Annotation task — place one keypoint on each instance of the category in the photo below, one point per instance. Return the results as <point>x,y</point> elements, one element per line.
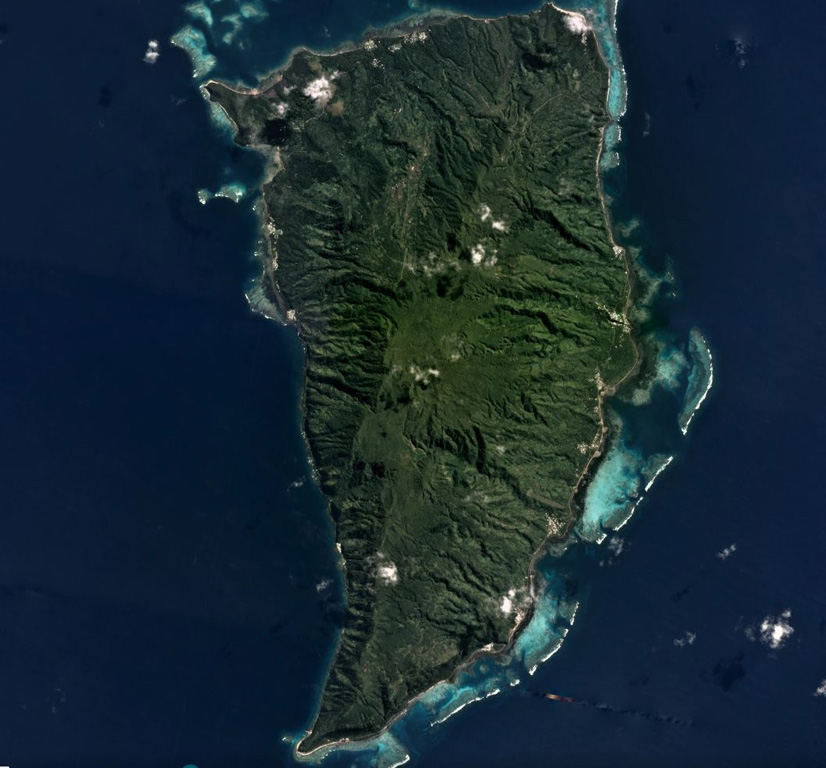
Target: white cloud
<point>388,574</point>
<point>486,214</point>
<point>616,544</point>
<point>776,630</point>
<point>321,89</point>
<point>577,23</point>
<point>423,375</point>
<point>687,638</point>
<point>152,52</point>
<point>506,606</point>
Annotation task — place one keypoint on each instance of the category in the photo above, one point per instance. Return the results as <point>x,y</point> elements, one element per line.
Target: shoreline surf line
<point>616,99</point>
<point>603,393</point>
<point>701,356</point>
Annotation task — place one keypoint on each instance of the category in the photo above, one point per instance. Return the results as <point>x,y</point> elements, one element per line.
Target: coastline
<point>701,378</point>
<point>265,297</point>
<point>607,146</point>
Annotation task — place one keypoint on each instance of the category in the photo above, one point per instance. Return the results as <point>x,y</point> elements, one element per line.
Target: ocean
<point>168,590</point>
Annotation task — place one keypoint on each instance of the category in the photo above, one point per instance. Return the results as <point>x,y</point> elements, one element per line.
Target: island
<point>436,232</point>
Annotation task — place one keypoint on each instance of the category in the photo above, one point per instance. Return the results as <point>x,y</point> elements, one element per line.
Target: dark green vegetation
<point>436,227</point>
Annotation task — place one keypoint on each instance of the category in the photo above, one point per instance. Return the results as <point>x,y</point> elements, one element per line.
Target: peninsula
<point>436,233</point>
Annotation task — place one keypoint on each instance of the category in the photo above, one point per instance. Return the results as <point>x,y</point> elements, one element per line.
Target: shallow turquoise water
<point>163,558</point>
<point>215,44</point>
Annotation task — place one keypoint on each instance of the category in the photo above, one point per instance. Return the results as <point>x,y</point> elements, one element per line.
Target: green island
<point>436,233</point>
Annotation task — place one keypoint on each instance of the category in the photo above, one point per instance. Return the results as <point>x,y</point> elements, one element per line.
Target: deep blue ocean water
<point>163,555</point>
